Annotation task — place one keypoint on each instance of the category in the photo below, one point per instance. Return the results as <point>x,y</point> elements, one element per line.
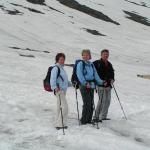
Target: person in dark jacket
<point>106,72</point>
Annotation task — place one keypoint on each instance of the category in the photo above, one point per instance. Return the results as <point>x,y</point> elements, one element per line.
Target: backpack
<point>74,79</point>
<point>46,81</point>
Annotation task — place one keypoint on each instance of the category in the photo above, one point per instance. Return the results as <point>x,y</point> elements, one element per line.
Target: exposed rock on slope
<point>87,10</point>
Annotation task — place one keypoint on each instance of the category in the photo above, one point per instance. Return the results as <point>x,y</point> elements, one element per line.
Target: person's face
<point>86,56</point>
<point>105,56</point>
<point>61,60</point>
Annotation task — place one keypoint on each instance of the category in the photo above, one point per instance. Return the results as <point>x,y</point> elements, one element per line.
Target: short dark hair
<point>58,56</point>
<point>104,51</point>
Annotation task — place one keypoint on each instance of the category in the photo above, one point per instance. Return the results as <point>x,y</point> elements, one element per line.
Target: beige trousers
<point>61,104</point>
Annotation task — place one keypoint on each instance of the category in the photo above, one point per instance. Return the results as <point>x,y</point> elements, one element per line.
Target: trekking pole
<point>119,101</point>
<point>62,115</point>
<point>94,109</point>
<point>77,103</point>
<point>97,113</point>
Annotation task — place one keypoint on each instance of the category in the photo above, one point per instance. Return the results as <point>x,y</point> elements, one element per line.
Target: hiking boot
<point>106,119</point>
<point>96,120</point>
<point>58,128</point>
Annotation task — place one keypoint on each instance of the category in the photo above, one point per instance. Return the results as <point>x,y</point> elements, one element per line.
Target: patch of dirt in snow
<point>97,3</point>
<point>28,8</point>
<point>23,55</point>
<point>21,120</point>
<point>41,2</point>
<point>54,9</point>
<point>139,139</point>
<point>10,12</point>
<point>94,32</point>
<point>4,130</point>
<point>28,49</point>
<point>144,76</point>
<point>142,3</point>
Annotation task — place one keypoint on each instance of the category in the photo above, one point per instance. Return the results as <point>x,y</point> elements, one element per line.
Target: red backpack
<point>46,81</point>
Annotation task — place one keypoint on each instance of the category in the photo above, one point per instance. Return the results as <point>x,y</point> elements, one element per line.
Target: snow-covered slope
<point>32,34</point>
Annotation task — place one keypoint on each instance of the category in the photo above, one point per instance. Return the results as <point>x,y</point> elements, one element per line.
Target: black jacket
<point>105,72</point>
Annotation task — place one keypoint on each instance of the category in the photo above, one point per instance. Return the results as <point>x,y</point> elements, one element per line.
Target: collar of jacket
<point>105,63</point>
<point>87,62</point>
<point>59,65</point>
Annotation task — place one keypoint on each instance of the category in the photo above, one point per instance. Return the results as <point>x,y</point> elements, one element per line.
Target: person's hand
<point>105,83</point>
<point>112,81</point>
<point>88,86</point>
<point>57,90</point>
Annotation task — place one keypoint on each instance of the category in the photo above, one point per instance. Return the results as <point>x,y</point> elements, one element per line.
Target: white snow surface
<point>27,112</point>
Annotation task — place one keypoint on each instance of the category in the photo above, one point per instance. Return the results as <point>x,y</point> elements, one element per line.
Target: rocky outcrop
<point>137,18</point>
<point>87,10</point>
<point>41,2</point>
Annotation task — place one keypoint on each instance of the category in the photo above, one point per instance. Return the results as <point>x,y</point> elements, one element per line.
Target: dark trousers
<point>88,103</point>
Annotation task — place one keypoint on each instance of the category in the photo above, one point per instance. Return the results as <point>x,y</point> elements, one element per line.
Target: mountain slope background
<point>31,35</point>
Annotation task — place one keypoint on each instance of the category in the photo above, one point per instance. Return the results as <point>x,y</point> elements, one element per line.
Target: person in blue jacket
<point>88,78</point>
<point>60,84</point>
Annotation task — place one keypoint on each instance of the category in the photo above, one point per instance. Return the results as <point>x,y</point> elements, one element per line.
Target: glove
<point>88,86</point>
<point>112,81</point>
<point>105,83</point>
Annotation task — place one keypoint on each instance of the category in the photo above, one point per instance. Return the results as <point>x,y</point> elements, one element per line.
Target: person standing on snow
<point>88,78</point>
<point>60,85</point>
<point>106,72</point>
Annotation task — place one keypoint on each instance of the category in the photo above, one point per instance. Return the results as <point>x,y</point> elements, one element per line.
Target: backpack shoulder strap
<point>83,64</point>
<point>93,69</point>
<point>58,74</point>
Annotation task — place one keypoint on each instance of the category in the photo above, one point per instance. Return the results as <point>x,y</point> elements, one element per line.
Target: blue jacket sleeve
<point>53,79</point>
<point>97,78</point>
<point>79,72</point>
